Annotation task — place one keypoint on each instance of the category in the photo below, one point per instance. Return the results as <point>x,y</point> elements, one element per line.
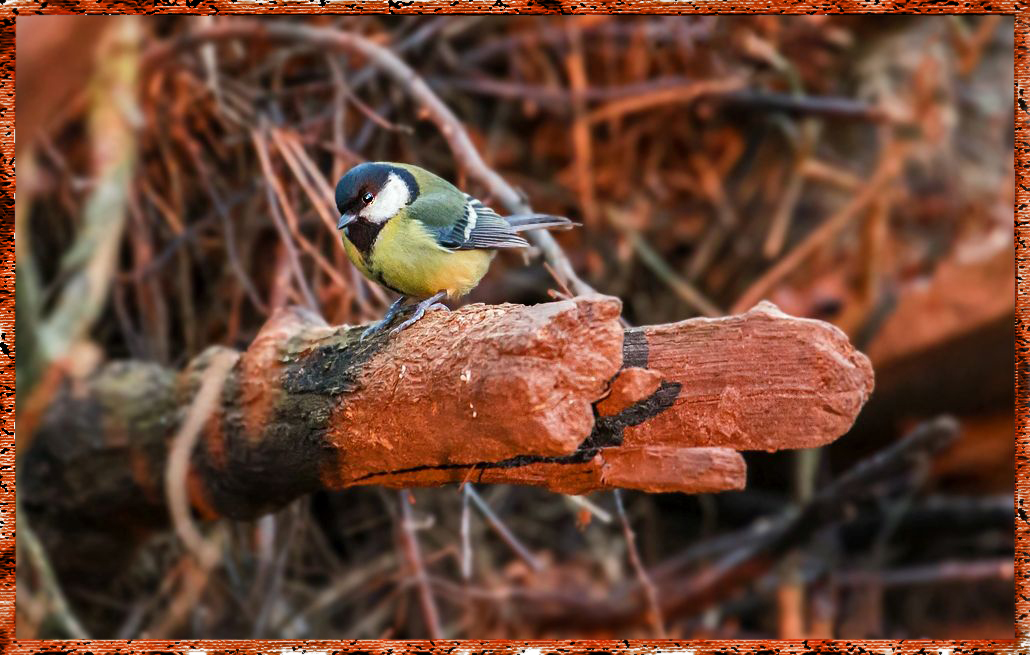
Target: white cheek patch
<point>470,218</point>
<point>388,201</point>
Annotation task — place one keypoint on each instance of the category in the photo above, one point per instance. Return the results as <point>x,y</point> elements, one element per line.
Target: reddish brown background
<point>7,452</point>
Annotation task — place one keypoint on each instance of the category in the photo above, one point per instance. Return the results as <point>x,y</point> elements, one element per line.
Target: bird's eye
<point>367,198</point>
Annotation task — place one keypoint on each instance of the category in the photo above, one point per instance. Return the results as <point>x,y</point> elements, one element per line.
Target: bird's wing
<point>478,226</point>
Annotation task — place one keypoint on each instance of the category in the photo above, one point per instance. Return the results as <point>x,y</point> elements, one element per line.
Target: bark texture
<point>556,395</point>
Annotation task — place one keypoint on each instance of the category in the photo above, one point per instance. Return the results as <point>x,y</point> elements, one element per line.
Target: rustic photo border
<point>10,9</point>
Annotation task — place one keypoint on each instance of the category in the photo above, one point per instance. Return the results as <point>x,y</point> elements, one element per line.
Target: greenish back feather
<point>440,204</point>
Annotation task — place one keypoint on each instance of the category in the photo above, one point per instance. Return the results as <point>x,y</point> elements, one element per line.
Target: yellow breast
<point>407,259</point>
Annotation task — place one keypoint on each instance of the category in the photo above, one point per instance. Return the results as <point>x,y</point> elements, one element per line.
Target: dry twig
<point>413,556</point>
<point>654,607</point>
<point>176,475</point>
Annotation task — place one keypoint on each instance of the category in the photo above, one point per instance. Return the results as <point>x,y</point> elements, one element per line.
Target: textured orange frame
<point>10,9</point>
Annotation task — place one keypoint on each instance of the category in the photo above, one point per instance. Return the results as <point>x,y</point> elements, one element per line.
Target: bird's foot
<point>432,302</point>
<point>374,328</point>
<point>395,309</point>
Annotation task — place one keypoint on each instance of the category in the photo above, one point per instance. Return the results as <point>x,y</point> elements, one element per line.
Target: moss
<point>78,482</point>
<point>269,470</point>
<point>138,398</point>
<point>332,365</point>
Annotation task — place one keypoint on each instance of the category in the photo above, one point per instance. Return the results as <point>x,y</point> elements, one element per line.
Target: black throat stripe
<point>363,234</point>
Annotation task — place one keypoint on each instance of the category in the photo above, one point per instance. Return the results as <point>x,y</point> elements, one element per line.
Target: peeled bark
<point>556,395</point>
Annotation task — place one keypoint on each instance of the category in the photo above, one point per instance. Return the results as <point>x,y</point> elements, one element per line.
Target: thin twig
<point>37,558</point>
<point>935,573</point>
<point>582,142</point>
<point>340,588</point>
<point>683,289</point>
<point>293,153</point>
<point>766,539</point>
<point>309,178</point>
<point>743,556</point>
<point>193,578</point>
<point>466,536</point>
<point>176,488</point>
<point>271,591</point>
<point>315,176</point>
<point>584,503</point>
<point>685,94</point>
<point>413,556</point>
<point>222,209</point>
<point>884,175</point>
<point>294,223</point>
<point>284,234</point>
<point>783,215</point>
<point>654,608</point>
<point>502,530</point>
<point>130,627</point>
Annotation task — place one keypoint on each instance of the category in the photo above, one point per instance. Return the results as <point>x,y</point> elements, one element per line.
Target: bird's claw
<point>420,311</point>
<point>396,308</point>
<point>375,327</point>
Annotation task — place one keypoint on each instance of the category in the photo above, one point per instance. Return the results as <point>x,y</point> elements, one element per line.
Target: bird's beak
<point>345,220</point>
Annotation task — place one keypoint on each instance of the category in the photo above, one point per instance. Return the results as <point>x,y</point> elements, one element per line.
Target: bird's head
<point>374,192</point>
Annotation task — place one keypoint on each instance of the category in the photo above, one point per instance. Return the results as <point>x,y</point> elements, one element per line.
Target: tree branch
<point>557,395</point>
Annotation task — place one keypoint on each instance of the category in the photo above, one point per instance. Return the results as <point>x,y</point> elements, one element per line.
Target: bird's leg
<point>396,308</point>
<point>432,302</point>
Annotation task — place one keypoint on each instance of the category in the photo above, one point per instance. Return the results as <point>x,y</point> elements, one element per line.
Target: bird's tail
<point>523,222</point>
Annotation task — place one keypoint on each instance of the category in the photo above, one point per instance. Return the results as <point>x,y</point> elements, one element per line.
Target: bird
<point>418,235</point>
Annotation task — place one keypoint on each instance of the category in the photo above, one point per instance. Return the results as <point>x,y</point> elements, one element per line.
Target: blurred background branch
<point>87,268</point>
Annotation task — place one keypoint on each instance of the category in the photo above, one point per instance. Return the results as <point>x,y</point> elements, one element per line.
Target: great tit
<point>417,234</point>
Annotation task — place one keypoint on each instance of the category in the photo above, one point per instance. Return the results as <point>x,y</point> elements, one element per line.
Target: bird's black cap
<point>369,177</point>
